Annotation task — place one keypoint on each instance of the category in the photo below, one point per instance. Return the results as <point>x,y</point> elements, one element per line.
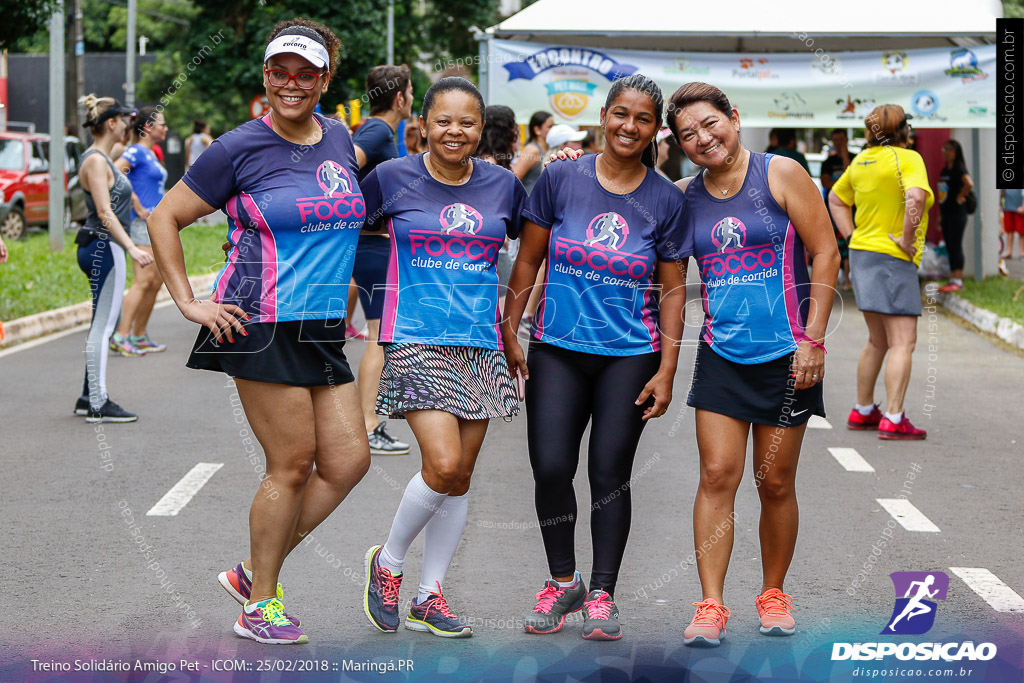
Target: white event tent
<point>780,31</point>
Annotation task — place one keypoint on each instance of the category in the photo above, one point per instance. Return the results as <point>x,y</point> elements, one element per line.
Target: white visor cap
<point>307,48</point>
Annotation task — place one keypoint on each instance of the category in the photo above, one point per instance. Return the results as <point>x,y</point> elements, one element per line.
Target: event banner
<point>806,88</point>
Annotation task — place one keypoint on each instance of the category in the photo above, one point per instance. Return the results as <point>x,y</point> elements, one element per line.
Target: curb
<point>985,320</point>
<point>31,326</point>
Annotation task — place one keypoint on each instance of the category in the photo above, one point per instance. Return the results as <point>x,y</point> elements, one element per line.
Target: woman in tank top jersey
<point>761,355</point>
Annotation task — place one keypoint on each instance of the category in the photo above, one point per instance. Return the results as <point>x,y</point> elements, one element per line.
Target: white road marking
<point>904,512</point>
<point>851,460</point>
<point>182,492</point>
<point>818,422</point>
<point>1001,597</point>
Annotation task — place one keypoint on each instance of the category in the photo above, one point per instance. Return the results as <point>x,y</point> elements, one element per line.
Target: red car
<point>25,182</point>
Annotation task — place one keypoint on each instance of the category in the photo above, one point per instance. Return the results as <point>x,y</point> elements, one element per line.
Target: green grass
<point>996,294</point>
<point>35,279</point>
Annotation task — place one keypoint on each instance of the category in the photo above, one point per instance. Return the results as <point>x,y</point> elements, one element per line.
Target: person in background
<point>954,185</point>
<point>3,251</point>
<point>531,157</point>
<point>147,176</point>
<point>662,140</point>
<point>1013,221</point>
<point>499,142</point>
<point>592,144</point>
<point>831,170</point>
<point>413,138</point>
<point>889,186</point>
<point>786,147</point>
<point>197,143</point>
<point>563,135</point>
<point>390,93</point>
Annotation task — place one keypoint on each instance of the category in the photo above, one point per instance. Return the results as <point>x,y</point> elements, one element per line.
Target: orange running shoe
<point>773,608</point>
<point>708,626</point>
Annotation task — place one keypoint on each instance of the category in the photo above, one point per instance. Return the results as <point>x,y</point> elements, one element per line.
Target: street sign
<point>260,106</point>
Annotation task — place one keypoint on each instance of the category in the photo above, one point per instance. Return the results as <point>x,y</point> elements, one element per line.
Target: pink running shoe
<point>773,608</point>
<point>862,422</point>
<point>900,431</point>
<point>708,626</point>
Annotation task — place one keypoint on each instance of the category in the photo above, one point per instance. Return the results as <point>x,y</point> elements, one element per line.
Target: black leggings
<point>954,221</point>
<point>566,389</point>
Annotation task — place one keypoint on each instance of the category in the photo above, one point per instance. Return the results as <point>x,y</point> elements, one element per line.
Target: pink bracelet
<point>814,342</point>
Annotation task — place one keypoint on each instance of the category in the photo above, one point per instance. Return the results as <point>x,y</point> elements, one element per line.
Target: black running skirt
<point>305,353</point>
<point>762,393</point>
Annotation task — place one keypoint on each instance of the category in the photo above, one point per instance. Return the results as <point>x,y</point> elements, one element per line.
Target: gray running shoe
<point>553,604</point>
<point>600,617</point>
<point>382,443</point>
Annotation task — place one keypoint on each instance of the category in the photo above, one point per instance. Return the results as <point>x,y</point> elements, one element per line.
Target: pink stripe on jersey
<point>538,317</point>
<point>648,318</point>
<point>796,325</point>
<point>708,332</point>
<point>268,274</point>
<point>220,287</point>
<point>387,329</point>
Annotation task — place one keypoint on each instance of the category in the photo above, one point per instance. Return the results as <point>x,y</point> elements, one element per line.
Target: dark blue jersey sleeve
<point>212,176</point>
<point>372,195</point>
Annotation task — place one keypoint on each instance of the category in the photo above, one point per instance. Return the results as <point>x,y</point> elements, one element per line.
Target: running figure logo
<point>729,233</point>
<point>461,217</point>
<point>333,179</point>
<point>610,228</point>
<point>914,612</point>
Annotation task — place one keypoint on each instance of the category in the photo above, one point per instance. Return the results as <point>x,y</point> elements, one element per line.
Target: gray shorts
<point>884,284</point>
<point>139,232</point>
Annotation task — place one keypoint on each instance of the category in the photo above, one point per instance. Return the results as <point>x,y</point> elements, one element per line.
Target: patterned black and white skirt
<point>467,381</point>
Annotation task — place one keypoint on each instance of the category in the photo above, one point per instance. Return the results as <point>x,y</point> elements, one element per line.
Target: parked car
<point>25,183</point>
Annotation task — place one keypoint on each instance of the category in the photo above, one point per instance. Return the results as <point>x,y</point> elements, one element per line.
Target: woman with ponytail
<point>102,242</point>
<point>612,231</point>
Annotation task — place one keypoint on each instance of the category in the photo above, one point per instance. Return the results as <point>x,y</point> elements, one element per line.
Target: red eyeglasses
<point>280,79</point>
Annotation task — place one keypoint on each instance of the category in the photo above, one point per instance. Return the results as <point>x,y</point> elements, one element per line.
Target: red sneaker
<point>861,422</point>
<point>951,287</point>
<point>902,430</point>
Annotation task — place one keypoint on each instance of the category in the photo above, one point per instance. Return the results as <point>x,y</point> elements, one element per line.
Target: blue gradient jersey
<point>599,292</point>
<point>294,214</point>
<point>442,281</point>
<point>147,175</point>
<point>753,269</point>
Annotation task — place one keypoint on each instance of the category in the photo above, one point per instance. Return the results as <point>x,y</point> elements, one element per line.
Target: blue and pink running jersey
<point>753,269</point>
<point>294,215</point>
<point>599,290</point>
<point>442,277</point>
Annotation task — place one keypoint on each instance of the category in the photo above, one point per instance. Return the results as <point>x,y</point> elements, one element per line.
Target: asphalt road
<point>77,587</point>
